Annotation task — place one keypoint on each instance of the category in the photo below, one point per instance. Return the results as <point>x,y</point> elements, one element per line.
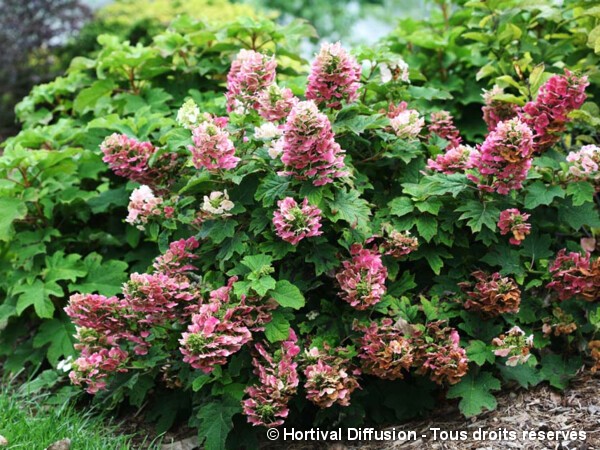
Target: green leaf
<point>12,209</point>
<point>88,97</point>
<point>278,329</point>
<point>524,374</point>
<point>538,246</point>
<point>558,371</point>
<point>475,393</point>
<point>257,263</point>
<point>480,353</point>
<point>539,193</point>
<point>578,216</point>
<point>216,422</point>
<point>38,294</point>
<point>103,277</point>
<point>478,214</point>
<point>323,256</point>
<point>581,191</point>
<point>427,226</point>
<point>271,188</point>
<point>61,267</point>
<point>428,93</point>
<point>288,295</point>
<point>58,334</point>
<point>200,381</point>
<point>349,207</point>
<point>401,206</point>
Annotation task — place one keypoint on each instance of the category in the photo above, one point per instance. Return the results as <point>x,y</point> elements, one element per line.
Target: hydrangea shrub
<point>321,247</point>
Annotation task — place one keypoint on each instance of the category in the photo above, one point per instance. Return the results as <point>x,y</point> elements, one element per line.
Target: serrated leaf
<point>475,393</point>
<point>271,188</point>
<point>581,191</point>
<point>523,374</point>
<point>88,97</point>
<point>558,371</point>
<point>349,207</point>
<point>58,334</point>
<point>61,267</point>
<point>477,214</point>
<point>12,209</point>
<point>480,353</point>
<point>216,422</point>
<point>288,295</point>
<point>578,216</point>
<point>401,206</point>
<point>103,277</point>
<point>539,193</point>
<point>38,294</point>
<point>278,329</point>
<point>427,226</point>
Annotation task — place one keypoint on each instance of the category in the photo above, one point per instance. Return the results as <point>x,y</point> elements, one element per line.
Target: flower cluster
<point>454,160</point>
<point>309,148</point>
<point>492,295</point>
<point>334,77</point>
<point>93,367</point>
<point>143,204</point>
<point>189,115</point>
<point>547,115</point>
<point>560,323</point>
<point>406,123</point>
<point>395,243</point>
<point>515,222</point>
<point>130,158</point>
<point>250,73</point>
<point>504,158</point>
<point>394,70</point>
<point>220,328</point>
<point>98,313</point>
<point>328,379</point>
<point>442,125</point>
<point>178,257</point>
<point>362,279</point>
<point>585,164</point>
<point>439,354</point>
<point>275,103</point>
<point>389,350</point>
<point>295,222</point>
<point>495,110</point>
<point>217,203</point>
<point>385,350</point>
<point>277,382</point>
<point>575,275</point>
<point>212,147</point>
<point>268,131</point>
<point>513,345</point>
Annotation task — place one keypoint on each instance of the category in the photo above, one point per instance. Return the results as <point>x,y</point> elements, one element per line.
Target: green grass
<point>29,423</point>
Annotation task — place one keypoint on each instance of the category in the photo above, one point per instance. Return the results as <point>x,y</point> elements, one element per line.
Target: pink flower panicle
<point>362,279</point>
<point>514,222</point>
<point>514,346</point>
<point>575,275</point>
<point>250,73</point>
<point>275,103</point>
<point>406,123</point>
<point>584,165</point>
<point>395,243</point>
<point>504,158</point>
<point>442,125</point>
<point>454,160</point>
<point>334,77</point>
<point>212,149</point>
<point>328,382</point>
<point>492,295</point>
<point>385,350</point>
<point>277,373</point>
<point>547,115</point>
<point>178,258</point>
<point>130,158</point>
<point>439,354</point>
<point>98,313</point>
<point>309,148</point>
<point>559,324</point>
<point>93,367</point>
<point>496,111</point>
<point>295,222</point>
<point>144,205</point>
<point>220,328</point>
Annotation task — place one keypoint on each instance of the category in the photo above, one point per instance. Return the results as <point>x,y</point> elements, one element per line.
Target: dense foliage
<point>332,247</point>
<point>63,227</point>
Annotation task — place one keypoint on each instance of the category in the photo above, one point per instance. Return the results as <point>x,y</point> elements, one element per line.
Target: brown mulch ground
<point>541,409</point>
